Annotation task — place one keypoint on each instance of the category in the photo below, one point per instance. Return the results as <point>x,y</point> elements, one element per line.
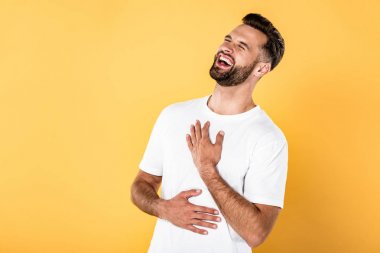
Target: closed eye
<point>240,45</point>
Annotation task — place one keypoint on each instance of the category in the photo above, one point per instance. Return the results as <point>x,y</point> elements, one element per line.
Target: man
<point>223,183</point>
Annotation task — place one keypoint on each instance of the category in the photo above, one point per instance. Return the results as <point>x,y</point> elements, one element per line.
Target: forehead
<point>249,35</point>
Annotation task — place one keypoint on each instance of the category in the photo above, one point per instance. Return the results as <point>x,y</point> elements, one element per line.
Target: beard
<point>232,77</point>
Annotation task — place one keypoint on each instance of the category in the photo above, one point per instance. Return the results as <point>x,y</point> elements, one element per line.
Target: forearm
<point>245,218</point>
<point>177,210</point>
<point>145,197</point>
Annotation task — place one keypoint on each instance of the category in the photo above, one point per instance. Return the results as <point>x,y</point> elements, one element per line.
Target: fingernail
<point>222,133</point>
<point>218,219</point>
<point>215,226</point>
<point>216,212</point>
<point>198,190</point>
<point>205,232</point>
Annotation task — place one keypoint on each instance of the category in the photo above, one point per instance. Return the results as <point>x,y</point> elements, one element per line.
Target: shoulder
<point>268,131</point>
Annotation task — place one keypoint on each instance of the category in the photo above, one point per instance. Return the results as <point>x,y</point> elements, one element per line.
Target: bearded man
<point>221,161</point>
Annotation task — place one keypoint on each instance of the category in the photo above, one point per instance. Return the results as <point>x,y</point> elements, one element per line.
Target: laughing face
<point>237,56</point>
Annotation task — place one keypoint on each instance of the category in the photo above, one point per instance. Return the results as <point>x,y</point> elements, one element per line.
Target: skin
<point>237,99</point>
<point>177,210</point>
<point>258,219</point>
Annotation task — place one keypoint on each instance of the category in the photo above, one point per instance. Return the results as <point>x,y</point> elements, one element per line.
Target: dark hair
<point>275,46</point>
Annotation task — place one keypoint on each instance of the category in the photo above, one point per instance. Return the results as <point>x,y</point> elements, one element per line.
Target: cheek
<point>248,60</point>
<point>242,61</point>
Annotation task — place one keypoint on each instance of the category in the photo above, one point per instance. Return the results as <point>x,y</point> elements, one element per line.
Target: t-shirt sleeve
<point>152,160</point>
<point>265,180</point>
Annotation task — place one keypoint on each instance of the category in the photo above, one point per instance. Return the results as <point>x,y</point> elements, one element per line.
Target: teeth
<point>226,60</point>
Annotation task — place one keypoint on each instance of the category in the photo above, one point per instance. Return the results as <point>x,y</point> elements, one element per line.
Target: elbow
<point>133,193</point>
<point>256,239</point>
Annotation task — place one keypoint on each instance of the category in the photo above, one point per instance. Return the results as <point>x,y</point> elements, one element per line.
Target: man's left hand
<point>206,155</point>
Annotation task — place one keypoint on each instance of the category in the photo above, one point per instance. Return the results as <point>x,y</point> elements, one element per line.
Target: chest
<point>179,167</point>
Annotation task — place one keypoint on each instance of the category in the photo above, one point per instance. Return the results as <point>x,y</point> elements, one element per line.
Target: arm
<point>177,210</point>
<point>251,221</point>
<point>144,193</point>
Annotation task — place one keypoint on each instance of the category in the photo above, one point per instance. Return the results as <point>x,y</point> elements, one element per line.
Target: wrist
<point>160,208</point>
<point>208,173</point>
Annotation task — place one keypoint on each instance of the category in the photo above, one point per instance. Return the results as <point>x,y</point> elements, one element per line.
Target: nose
<point>226,48</point>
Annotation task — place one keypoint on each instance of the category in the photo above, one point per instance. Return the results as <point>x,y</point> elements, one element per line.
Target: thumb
<point>190,193</point>
<point>219,138</point>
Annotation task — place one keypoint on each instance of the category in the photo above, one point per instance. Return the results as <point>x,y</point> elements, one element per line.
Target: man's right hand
<point>180,212</point>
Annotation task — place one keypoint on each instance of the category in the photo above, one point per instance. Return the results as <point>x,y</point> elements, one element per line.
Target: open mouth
<point>224,62</point>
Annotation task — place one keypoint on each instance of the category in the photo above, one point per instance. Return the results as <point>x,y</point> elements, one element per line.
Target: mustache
<point>221,51</point>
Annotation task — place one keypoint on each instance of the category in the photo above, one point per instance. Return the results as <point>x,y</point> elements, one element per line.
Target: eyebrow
<point>241,42</point>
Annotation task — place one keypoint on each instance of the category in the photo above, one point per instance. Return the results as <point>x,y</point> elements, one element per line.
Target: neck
<point>231,100</point>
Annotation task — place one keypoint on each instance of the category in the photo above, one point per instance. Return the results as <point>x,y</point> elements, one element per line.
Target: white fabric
<point>254,163</point>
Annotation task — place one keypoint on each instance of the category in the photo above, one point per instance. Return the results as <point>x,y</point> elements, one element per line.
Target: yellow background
<point>81,85</point>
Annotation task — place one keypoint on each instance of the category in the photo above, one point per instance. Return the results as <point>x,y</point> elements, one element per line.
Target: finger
<point>189,143</point>
<point>219,138</point>
<point>192,132</point>
<point>198,133</point>
<point>190,193</point>
<point>203,216</point>
<point>204,223</point>
<point>205,209</point>
<point>205,130</point>
<point>196,230</point>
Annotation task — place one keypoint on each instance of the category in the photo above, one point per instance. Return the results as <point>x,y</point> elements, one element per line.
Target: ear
<point>261,69</point>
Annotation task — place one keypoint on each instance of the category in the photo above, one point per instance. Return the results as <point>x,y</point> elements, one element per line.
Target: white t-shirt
<point>254,163</point>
